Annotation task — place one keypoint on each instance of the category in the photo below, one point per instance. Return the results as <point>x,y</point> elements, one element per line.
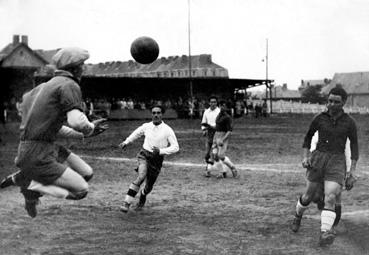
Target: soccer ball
<point>144,50</point>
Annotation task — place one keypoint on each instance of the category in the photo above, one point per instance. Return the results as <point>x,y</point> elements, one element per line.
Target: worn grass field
<point>187,213</point>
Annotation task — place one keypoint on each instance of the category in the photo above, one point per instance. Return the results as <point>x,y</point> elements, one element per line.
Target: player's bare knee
<point>89,170</point>
<point>77,195</point>
<point>140,179</point>
<point>307,198</point>
<point>330,199</point>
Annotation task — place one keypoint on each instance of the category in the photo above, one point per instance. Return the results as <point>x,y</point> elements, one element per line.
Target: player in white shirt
<point>160,140</point>
<point>208,130</point>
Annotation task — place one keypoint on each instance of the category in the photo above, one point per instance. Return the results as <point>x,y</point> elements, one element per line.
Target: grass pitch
<point>187,213</point>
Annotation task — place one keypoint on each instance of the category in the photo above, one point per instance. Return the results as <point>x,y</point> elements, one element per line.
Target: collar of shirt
<point>65,74</point>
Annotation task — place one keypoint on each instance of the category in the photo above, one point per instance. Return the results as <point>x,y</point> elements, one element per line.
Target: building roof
<point>284,92</point>
<point>13,48</point>
<point>47,54</point>
<point>353,83</point>
<point>163,64</point>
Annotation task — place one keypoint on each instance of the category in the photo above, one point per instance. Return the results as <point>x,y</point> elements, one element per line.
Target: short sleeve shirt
<point>44,109</point>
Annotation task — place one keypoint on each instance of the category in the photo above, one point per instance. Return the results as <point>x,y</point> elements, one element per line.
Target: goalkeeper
<point>44,110</point>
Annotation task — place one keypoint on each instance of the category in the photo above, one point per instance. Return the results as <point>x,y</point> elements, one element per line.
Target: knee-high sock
<point>51,190</point>
<point>327,219</point>
<point>338,210</point>
<point>132,191</point>
<point>300,207</point>
<point>228,162</point>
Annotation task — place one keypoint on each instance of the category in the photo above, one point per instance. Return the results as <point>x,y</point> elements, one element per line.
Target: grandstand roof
<point>163,64</point>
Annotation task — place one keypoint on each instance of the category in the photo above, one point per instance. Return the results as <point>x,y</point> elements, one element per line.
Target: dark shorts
<point>153,164</point>
<point>62,152</point>
<point>40,161</point>
<point>210,136</point>
<point>327,167</point>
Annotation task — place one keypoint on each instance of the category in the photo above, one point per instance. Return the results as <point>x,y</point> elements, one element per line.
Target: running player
<point>221,137</point>
<point>160,140</point>
<point>327,163</point>
<point>208,130</point>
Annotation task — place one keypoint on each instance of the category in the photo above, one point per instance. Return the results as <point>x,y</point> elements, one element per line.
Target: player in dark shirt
<point>328,163</point>
<point>44,111</point>
<point>223,130</point>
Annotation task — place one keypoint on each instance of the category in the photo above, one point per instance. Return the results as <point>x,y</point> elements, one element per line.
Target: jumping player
<point>327,163</point>
<point>44,110</point>
<point>159,140</point>
<point>208,130</point>
<point>220,143</point>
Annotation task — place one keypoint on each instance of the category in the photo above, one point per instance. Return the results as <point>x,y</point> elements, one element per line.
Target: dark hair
<point>158,106</point>
<point>213,97</point>
<point>221,102</point>
<point>339,91</point>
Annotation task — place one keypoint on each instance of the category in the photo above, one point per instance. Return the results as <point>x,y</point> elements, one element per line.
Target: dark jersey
<point>333,134</point>
<point>223,122</point>
<point>44,108</point>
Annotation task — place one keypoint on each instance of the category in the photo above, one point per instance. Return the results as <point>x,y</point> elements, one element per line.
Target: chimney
<point>15,39</point>
<point>25,39</point>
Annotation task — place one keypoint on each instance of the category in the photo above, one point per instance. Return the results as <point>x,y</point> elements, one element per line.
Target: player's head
<point>223,105</point>
<point>71,59</point>
<point>157,114</point>
<point>213,102</point>
<point>336,99</point>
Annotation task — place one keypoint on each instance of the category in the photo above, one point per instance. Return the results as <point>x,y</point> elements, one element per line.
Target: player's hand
<point>101,125</point>
<point>204,132</point>
<point>306,162</point>
<point>155,150</point>
<point>122,145</point>
<point>350,181</point>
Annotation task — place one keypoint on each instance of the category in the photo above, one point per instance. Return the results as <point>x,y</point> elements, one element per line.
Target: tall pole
<point>189,49</point>
<point>268,86</point>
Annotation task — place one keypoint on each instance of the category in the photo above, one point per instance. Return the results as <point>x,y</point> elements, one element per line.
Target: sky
<point>307,40</point>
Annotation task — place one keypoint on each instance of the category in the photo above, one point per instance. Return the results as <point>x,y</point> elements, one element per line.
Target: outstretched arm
<point>67,132</point>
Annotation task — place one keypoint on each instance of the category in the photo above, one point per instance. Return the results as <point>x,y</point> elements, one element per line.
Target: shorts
<point>62,152</point>
<point>219,149</point>
<point>38,160</point>
<point>210,135</point>
<point>327,167</point>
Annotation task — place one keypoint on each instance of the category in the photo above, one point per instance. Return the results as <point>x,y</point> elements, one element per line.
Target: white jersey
<point>161,136</point>
<point>209,117</point>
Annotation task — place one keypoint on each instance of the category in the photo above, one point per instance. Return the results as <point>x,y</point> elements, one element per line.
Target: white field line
<point>275,168</point>
<point>362,213</point>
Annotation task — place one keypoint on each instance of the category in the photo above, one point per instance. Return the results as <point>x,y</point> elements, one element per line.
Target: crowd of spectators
<point>185,108</point>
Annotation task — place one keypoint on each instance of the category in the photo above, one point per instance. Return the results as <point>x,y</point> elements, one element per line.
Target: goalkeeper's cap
<point>69,57</point>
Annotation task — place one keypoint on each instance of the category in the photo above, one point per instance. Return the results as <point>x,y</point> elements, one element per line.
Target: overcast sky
<point>308,39</point>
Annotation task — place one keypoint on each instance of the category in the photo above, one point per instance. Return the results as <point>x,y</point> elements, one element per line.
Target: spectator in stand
<point>124,104</point>
<point>130,104</point>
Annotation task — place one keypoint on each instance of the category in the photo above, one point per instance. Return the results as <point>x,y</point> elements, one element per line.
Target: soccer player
<point>223,130</point>
<point>159,140</point>
<point>208,130</point>
<point>44,110</point>
<point>318,197</point>
<point>327,163</point>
